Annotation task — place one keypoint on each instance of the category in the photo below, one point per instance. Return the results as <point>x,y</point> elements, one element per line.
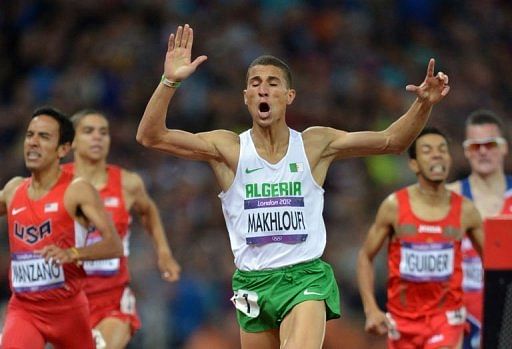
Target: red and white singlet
<point>106,274</point>
<point>425,272</point>
<point>34,224</point>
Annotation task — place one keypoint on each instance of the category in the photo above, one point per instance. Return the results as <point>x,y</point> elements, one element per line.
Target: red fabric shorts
<point>118,303</point>
<point>64,323</point>
<point>428,332</point>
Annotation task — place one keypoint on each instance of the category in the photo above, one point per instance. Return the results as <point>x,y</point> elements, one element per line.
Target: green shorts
<point>263,298</point>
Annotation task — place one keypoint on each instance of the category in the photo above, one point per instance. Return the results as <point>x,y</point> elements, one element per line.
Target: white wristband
<point>169,83</point>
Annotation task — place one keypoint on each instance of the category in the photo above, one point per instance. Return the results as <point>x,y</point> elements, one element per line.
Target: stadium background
<point>351,61</point>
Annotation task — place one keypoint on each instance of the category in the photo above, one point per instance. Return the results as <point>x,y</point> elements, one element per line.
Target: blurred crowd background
<point>351,61</point>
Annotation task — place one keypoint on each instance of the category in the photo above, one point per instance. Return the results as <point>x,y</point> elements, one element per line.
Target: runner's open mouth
<point>438,168</point>
<point>264,107</point>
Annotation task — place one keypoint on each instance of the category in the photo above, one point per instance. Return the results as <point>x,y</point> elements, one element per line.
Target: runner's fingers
<point>190,40</point>
<point>442,76</point>
<point>186,35</point>
<point>430,68</point>
<point>445,90</point>
<point>381,329</point>
<point>170,44</point>
<point>47,252</point>
<point>167,276</point>
<point>53,258</point>
<point>411,88</point>
<point>52,254</point>
<point>179,35</point>
<point>445,77</point>
<point>170,275</point>
<point>42,251</point>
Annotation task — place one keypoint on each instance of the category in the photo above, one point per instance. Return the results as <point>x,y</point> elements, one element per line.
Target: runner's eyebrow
<point>258,78</point>
<point>255,79</point>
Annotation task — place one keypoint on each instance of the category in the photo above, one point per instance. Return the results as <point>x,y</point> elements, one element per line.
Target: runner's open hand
<point>178,65</point>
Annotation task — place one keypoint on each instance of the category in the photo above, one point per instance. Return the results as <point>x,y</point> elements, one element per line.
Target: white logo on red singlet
<point>432,229</point>
<point>111,201</point>
<point>15,211</point>
<point>436,338</point>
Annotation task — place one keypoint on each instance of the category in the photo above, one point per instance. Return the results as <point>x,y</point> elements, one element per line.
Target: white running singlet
<point>273,212</point>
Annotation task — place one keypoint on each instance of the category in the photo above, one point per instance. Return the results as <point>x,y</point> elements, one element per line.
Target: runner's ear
<point>63,150</point>
<point>291,96</point>
<point>413,165</point>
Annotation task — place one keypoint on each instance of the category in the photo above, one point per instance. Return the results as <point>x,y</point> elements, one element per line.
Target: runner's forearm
<point>153,224</point>
<point>403,131</point>
<point>152,123</point>
<point>106,248</point>
<point>365,280</point>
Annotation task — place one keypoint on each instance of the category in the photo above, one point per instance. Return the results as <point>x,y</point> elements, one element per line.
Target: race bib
<point>94,237</point>
<point>456,317</point>
<point>424,262</point>
<point>102,267</point>
<point>128,302</point>
<point>246,302</point>
<point>31,273</point>
<point>275,219</point>
<point>473,274</point>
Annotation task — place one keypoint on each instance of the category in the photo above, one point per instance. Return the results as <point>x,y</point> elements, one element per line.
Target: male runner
<point>48,215</point>
<point>485,147</point>
<point>424,224</point>
<point>111,301</point>
<point>271,179</point>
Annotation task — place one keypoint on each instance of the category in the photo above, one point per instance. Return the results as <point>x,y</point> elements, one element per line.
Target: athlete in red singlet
<point>485,147</point>
<point>111,301</point>
<point>424,224</point>
<point>47,218</point>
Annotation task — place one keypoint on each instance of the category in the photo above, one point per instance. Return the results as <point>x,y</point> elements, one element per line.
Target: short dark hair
<point>426,131</point>
<point>79,115</point>
<point>276,62</point>
<point>486,116</point>
<point>66,130</point>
